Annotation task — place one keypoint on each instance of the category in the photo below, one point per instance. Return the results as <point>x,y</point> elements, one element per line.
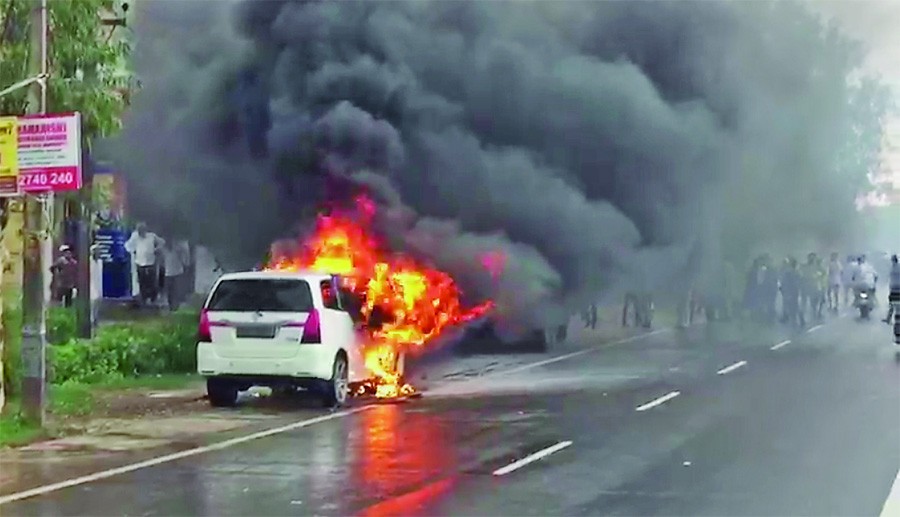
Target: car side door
<point>347,332</point>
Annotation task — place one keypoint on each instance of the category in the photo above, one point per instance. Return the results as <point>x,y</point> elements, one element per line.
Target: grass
<point>15,429</point>
<point>168,381</point>
<point>72,399</point>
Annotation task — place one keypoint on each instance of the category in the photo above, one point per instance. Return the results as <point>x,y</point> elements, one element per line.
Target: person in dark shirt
<point>65,273</point>
<point>791,285</point>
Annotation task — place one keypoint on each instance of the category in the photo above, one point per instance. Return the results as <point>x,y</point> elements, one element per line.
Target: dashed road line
<point>813,329</point>
<point>543,453</point>
<point>103,474</point>
<point>731,368</point>
<point>656,402</point>
<point>783,344</point>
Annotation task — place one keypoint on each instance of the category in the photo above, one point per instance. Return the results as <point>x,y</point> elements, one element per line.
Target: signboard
<point>9,162</point>
<point>116,263</point>
<point>50,152</point>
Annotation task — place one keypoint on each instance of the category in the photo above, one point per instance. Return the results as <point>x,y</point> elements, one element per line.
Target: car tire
<point>337,389</point>
<point>221,393</point>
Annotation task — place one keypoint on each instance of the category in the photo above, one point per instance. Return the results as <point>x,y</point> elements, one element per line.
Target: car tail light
<point>312,332</point>
<point>203,333</point>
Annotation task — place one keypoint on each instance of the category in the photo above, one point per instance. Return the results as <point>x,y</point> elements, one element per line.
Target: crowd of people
<point>789,292</point>
<point>807,290</point>
<point>162,267</point>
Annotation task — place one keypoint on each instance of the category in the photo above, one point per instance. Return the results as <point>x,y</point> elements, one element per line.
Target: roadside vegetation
<point>149,353</point>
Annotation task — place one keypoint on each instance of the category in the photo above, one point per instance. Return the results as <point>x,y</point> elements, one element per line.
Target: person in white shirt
<point>865,276</point>
<point>143,246</point>
<point>835,270</point>
<point>177,259</point>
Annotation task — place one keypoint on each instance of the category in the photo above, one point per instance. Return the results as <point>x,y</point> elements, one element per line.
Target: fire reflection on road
<point>407,460</point>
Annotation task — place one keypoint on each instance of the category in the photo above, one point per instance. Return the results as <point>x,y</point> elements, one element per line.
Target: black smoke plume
<point>599,146</point>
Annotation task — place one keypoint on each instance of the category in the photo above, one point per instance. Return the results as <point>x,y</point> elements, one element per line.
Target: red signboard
<point>50,152</point>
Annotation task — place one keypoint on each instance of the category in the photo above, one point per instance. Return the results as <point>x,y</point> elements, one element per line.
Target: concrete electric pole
<point>37,230</point>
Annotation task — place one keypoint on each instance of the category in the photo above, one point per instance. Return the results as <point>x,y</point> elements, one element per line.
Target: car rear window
<point>268,295</point>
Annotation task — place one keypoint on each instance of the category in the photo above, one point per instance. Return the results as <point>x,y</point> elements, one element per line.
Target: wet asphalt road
<point>812,428</point>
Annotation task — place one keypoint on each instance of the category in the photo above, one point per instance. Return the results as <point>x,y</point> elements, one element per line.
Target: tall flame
<point>416,302</point>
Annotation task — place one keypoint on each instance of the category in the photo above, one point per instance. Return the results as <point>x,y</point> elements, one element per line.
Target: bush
<point>62,325</point>
<point>128,349</point>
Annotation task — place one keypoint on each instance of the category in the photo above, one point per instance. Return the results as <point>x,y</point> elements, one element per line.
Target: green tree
<point>87,63</point>
<point>88,73</point>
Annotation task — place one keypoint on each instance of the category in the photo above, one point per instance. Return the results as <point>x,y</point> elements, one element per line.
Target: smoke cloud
<point>597,146</point>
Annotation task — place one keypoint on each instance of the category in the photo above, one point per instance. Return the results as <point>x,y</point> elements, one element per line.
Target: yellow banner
<point>9,156</point>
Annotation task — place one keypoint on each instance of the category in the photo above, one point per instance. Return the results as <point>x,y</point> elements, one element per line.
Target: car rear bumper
<point>310,362</point>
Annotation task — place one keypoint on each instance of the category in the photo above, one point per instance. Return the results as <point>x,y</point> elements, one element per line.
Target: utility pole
<point>37,222</point>
<point>82,217</point>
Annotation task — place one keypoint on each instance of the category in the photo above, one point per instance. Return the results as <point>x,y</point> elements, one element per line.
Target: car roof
<point>313,276</point>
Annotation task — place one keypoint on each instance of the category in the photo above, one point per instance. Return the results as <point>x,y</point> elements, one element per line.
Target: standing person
<point>751,288</point>
<point>65,273</point>
<point>592,316</point>
<point>808,285</point>
<point>893,289</point>
<point>791,284</point>
<point>176,261</point>
<point>769,289</point>
<point>96,284</point>
<point>143,246</point>
<point>847,275</point>
<point>835,276</point>
<point>821,287</point>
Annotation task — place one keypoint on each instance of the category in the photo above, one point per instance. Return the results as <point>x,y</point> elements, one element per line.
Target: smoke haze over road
<point>597,145</point>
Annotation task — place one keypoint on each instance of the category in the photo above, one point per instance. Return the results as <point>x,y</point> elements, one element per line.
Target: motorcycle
<point>864,301</point>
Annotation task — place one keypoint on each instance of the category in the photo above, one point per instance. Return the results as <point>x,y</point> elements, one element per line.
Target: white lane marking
<point>891,506</point>
<point>103,474</point>
<point>813,329</point>
<point>661,400</point>
<point>783,344</point>
<point>516,465</point>
<point>578,353</point>
<point>731,368</point>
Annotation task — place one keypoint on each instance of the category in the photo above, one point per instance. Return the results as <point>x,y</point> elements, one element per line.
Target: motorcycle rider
<point>865,277</point>
<point>894,290</point>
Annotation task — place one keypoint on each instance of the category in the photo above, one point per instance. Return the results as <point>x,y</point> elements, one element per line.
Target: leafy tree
<point>87,73</point>
<point>86,61</point>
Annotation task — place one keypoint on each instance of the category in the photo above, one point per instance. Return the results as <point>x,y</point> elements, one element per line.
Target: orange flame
<point>418,302</point>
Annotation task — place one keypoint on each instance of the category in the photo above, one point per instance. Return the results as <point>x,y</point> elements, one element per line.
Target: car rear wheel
<point>221,393</point>
<point>337,390</point>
